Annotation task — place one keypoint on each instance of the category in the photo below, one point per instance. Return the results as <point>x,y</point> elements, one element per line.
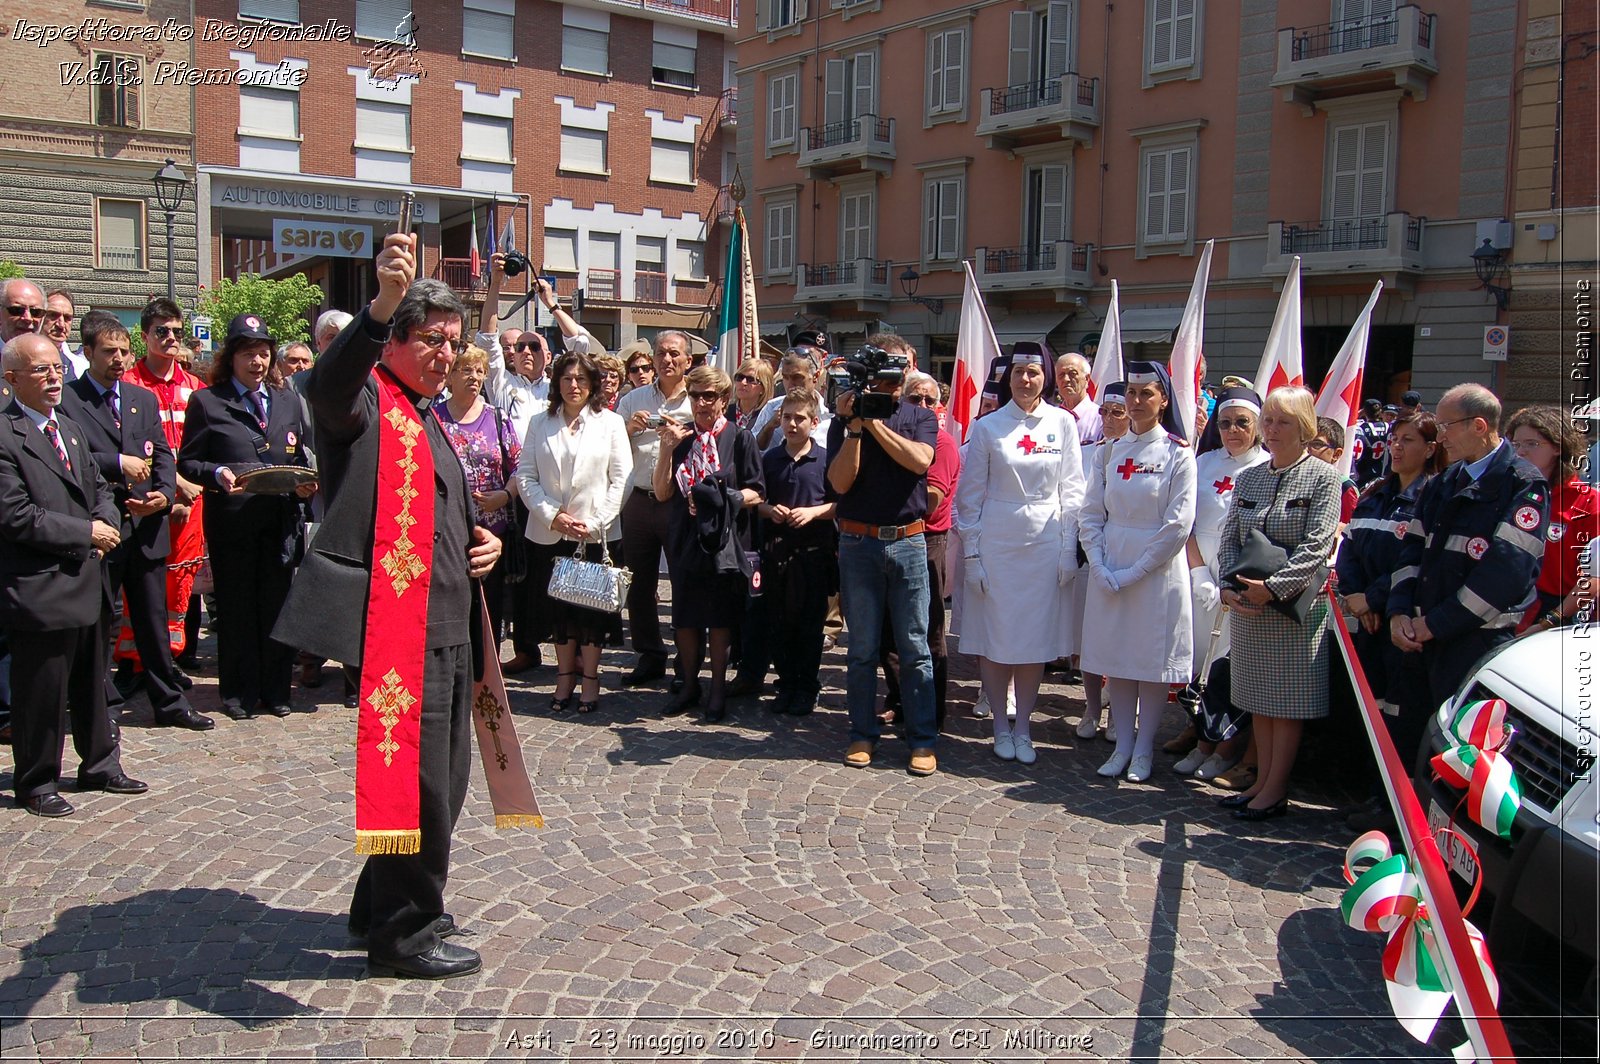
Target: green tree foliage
<point>281,304</point>
<point>9,269</point>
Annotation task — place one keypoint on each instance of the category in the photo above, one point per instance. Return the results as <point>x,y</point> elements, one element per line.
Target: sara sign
<point>299,237</point>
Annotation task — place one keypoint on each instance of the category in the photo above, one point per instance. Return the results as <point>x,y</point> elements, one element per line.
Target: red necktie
<point>55,441</point>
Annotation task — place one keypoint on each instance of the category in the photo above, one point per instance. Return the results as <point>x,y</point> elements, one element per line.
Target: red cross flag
<point>1340,397</point>
<point>1107,368</point>
<point>1184,363</point>
<point>976,348</point>
<point>1280,362</point>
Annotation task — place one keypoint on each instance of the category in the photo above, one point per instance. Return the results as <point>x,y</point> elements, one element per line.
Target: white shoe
<point>1114,767</point>
<point>1190,761</point>
<point>1088,725</point>
<point>1214,766</point>
<point>1004,747</point>
<point>1139,769</point>
<point>981,709</point>
<point>1025,752</point>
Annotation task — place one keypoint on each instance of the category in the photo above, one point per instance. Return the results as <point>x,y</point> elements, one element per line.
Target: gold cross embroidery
<point>490,709</point>
<point>402,563</point>
<point>390,701</point>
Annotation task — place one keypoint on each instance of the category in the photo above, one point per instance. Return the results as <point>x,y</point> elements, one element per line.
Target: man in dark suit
<point>405,343</point>
<point>57,519</point>
<point>122,425</point>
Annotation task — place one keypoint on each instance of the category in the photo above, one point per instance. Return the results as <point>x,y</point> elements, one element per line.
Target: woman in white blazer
<point>573,475</point>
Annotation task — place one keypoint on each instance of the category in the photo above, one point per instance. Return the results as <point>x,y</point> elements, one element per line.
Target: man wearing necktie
<point>57,519</point>
<point>122,426</point>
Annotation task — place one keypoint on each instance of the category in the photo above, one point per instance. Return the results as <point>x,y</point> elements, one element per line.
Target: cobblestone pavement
<point>700,892</point>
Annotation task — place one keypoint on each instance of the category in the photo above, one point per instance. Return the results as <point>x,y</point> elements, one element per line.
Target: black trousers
<point>59,676</point>
<point>938,581</point>
<point>252,583</point>
<point>644,537</point>
<point>399,896</point>
<point>795,599</point>
<point>145,583</point>
<point>1449,660</point>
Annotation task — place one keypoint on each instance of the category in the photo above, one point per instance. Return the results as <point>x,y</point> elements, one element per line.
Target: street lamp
<point>1488,262</point>
<point>908,284</point>
<point>170,184</point>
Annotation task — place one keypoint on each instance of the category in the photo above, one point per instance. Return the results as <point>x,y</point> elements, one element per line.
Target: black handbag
<point>1260,558</point>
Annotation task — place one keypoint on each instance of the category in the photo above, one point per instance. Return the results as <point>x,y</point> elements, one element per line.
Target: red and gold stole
<point>394,645</point>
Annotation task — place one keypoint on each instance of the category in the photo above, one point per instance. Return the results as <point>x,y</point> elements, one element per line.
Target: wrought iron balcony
<point>1067,106</point>
<point>1061,267</point>
<point>858,280</point>
<point>865,142</point>
<point>1358,55</point>
<point>1382,244</point>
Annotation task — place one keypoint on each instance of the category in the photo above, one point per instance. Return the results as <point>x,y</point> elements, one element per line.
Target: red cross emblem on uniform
<point>1026,444</point>
<point>1223,486</point>
<point>1527,518</point>
<point>1127,469</point>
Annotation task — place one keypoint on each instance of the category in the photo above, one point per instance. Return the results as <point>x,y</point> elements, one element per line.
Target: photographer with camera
<point>879,451</point>
<point>516,383</point>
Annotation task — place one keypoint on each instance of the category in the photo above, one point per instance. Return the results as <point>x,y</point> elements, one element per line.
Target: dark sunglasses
<point>1235,423</point>
<point>164,331</point>
<point>745,378</point>
<point>528,345</point>
<point>923,400</point>
<point>17,310</point>
<point>642,367</point>
<point>705,397</point>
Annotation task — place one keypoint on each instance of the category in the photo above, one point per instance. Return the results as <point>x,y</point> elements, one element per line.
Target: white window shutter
<point>955,69</point>
<point>583,149</point>
<point>1374,169</point>
<point>1058,39</point>
<point>1161,34</point>
<point>672,160</point>
<point>383,125</point>
<point>384,20</point>
<point>1344,186</point>
<point>1178,197</point>
<point>1155,196</point>
<point>561,249</point>
<point>1183,32</point>
<point>603,251</point>
<point>866,85</point>
<point>834,99</point>
<point>948,243</point>
<point>275,112</point>
<point>1019,64</point>
<point>936,74</point>
<point>272,10</point>
<point>1053,205</point>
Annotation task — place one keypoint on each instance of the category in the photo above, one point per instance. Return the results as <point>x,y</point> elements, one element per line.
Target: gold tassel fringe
<point>371,843</point>
<point>518,820</point>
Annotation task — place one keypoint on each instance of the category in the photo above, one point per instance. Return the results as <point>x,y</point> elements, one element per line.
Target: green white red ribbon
<point>1475,764</point>
<point>1384,897</point>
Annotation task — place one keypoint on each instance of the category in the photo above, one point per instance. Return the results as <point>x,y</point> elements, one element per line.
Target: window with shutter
<point>561,250</point>
<point>383,125</point>
<point>269,112</point>
<point>942,205</point>
<point>586,50</point>
<point>834,102</point>
<point>270,10</point>
<point>865,84</point>
<point>1166,198</point>
<point>947,71</point>
<point>689,260</point>
<point>384,20</point>
<point>583,150</point>
<point>1173,31</point>
<point>1019,62</point>
<point>119,234</point>
<point>1358,171</point>
<point>116,89</point>
<point>855,237</point>
<point>673,64</point>
<point>780,238</point>
<point>603,250</point>
<point>488,27</point>
<point>487,138</point>
<point>782,90</point>
<point>1058,39</point>
<point>672,161</point>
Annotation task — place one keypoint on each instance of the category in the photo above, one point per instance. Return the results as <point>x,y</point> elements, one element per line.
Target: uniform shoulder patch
<point>1179,440</point>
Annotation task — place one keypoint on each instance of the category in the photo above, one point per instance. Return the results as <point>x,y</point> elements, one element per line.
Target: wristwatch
<point>1552,619</point>
<point>852,434</point>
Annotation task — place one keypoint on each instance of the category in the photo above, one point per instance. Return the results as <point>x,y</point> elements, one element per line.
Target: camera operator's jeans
<point>875,576</point>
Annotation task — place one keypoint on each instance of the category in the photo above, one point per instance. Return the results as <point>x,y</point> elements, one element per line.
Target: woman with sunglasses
<point>1135,523</point>
<point>752,390</point>
<point>1238,422</point>
<point>247,419</point>
<point>707,464</point>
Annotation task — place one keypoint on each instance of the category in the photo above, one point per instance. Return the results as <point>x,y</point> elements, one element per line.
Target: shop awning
<point>1150,325</point>
<point>1033,327</point>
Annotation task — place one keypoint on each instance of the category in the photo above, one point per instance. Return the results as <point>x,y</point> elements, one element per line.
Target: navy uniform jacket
<point>1374,539</point>
<point>48,580</point>
<point>1370,447</point>
<point>327,605</point>
<point>1472,554</point>
<point>141,436</point>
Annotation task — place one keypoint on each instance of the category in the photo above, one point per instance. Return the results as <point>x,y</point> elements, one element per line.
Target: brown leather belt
<point>887,533</point>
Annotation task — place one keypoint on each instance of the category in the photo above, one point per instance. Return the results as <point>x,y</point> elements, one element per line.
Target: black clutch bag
<point>1260,558</point>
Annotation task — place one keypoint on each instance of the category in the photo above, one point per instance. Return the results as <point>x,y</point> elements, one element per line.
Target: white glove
<point>976,577</point>
<point>1066,567</point>
<point>1104,580</point>
<point>1207,595</point>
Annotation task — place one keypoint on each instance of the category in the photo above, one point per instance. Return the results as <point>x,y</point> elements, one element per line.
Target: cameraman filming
<point>877,475</point>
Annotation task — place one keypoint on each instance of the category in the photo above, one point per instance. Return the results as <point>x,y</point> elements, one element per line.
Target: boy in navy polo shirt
<point>797,552</point>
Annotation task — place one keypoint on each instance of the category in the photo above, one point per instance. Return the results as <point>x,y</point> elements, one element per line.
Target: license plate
<point>1455,852</point>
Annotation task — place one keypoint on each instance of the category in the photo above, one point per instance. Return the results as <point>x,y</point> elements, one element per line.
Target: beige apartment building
<point>1059,145</point>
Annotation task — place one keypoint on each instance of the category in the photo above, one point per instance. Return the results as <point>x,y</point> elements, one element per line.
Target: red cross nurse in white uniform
<point>1134,525</point>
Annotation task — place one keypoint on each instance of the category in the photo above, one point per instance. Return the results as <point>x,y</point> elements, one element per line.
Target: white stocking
<point>1025,679</point>
<point>1124,707</point>
<point>1152,705</point>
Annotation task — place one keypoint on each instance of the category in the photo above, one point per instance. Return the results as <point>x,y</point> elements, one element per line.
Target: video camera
<point>871,366</point>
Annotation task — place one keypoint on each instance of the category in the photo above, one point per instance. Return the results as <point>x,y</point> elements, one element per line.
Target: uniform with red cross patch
<point>1400,529</point>
<point>1477,547</point>
<point>1556,530</point>
<point>1527,518</point>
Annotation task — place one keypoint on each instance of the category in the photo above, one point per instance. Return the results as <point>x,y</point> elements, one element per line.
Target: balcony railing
<point>860,280</point>
<point>115,258</point>
<point>1358,55</point>
<point>603,284</point>
<point>1026,97</point>
<point>720,11</point>
<point>1043,257</point>
<point>865,142</point>
<point>1066,106</point>
<point>1060,265</point>
<point>650,286</point>
<point>1380,244</point>
<point>457,273</point>
<point>849,131</point>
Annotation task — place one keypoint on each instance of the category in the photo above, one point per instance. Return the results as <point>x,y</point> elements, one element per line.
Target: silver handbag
<point>593,585</point>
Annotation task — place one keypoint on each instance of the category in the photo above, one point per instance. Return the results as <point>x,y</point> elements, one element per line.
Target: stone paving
<point>700,892</point>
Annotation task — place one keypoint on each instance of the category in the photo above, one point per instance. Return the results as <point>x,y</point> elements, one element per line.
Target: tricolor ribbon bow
<point>1384,897</point>
<point>1477,764</point>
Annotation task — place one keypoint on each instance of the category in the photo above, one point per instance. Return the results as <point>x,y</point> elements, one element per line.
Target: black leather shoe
<point>182,677</point>
<point>279,710</point>
<point>121,783</point>
<point>444,927</point>
<point>1235,801</point>
<point>1271,812</point>
<point>444,961</point>
<point>350,702</point>
<point>682,702</point>
<point>47,805</point>
<point>186,718</point>
<point>801,705</point>
<point>233,709</point>
<point>645,671</point>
